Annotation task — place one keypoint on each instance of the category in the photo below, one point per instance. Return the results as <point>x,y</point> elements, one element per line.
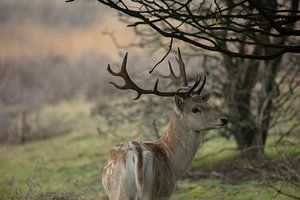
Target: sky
<point>38,28</point>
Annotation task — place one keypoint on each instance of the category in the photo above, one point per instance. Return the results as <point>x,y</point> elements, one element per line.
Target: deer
<point>149,170</point>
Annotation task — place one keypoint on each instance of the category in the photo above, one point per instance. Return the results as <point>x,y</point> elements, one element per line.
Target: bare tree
<point>244,32</point>
<point>235,28</point>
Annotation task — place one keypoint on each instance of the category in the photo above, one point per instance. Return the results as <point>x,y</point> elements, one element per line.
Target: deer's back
<point>138,169</point>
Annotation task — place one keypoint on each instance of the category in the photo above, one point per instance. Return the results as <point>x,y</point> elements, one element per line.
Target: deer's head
<point>196,113</point>
<point>190,104</point>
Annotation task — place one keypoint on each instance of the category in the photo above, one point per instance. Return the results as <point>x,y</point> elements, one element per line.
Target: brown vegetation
<point>27,85</point>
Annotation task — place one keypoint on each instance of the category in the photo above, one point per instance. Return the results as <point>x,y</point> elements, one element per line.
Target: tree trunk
<point>249,126</point>
<point>241,78</point>
<point>265,105</point>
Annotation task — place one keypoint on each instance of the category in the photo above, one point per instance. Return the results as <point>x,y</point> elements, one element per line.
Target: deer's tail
<point>139,171</point>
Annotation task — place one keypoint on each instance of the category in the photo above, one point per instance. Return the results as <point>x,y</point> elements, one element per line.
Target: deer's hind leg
<point>126,185</point>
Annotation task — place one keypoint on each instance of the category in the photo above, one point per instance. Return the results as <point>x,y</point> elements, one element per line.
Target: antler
<point>181,79</point>
<point>129,84</point>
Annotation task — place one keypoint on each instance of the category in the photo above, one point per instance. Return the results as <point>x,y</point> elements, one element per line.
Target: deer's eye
<point>195,110</point>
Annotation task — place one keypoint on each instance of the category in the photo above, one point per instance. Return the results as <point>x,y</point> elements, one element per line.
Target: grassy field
<point>71,165</point>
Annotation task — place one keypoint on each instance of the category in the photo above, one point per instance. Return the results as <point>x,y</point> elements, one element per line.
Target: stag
<point>149,170</point>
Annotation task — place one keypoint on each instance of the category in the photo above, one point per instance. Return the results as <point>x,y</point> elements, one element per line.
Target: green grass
<point>72,163</point>
<point>215,189</point>
<point>214,151</point>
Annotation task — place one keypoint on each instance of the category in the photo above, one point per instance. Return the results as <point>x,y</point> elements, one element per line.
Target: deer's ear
<point>179,102</point>
<point>205,97</point>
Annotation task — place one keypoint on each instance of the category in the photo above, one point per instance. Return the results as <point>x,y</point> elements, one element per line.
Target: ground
<point>69,166</point>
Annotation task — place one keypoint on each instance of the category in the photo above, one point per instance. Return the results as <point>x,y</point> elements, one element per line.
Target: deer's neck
<point>181,145</point>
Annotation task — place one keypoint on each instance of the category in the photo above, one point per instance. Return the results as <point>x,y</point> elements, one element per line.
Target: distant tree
<point>251,35</point>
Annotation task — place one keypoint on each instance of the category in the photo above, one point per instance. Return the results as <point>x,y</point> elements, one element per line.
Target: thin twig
<point>163,58</point>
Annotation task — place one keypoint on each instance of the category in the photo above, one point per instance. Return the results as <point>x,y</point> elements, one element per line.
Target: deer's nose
<point>224,120</point>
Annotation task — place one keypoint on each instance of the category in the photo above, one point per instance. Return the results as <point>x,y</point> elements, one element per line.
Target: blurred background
<point>52,52</point>
<point>59,116</point>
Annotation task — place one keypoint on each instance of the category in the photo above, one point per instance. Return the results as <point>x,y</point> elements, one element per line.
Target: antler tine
<point>201,87</point>
<point>182,75</point>
<point>124,63</point>
<point>191,90</point>
<point>120,73</point>
<point>172,75</point>
<point>156,85</point>
<point>115,74</point>
<point>123,67</point>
